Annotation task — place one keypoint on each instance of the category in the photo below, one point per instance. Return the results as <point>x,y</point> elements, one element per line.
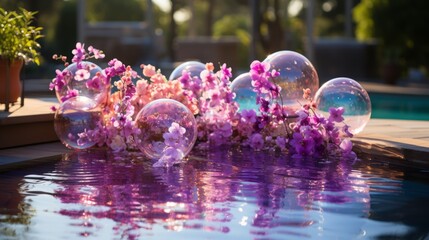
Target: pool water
<point>223,194</point>
<point>399,106</point>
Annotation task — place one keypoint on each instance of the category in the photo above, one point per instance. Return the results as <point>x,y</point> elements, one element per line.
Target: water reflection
<point>228,193</point>
<point>208,191</point>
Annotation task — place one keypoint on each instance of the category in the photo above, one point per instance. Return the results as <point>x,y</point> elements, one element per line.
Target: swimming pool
<point>399,106</point>
<point>222,194</point>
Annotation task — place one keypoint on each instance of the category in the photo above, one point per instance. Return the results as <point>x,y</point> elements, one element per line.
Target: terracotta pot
<point>14,88</point>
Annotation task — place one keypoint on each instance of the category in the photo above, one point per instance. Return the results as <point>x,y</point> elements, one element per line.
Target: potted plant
<point>18,45</point>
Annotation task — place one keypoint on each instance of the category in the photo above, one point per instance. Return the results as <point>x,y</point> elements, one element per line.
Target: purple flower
<point>69,94</point>
<point>115,68</point>
<point>257,68</point>
<point>306,148</point>
<point>222,130</point>
<point>185,79</point>
<point>336,114</point>
<point>170,156</point>
<point>302,114</point>
<point>276,111</point>
<point>248,116</point>
<point>256,141</point>
<point>346,145</point>
<point>264,104</point>
<point>274,90</point>
<point>176,129</point>
<point>96,82</point>
<point>346,130</point>
<point>281,142</point>
<point>59,81</point>
<point>225,73</point>
<point>174,137</point>
<point>117,143</point>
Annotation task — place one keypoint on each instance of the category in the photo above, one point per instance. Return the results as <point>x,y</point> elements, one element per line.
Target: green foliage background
<point>399,26</point>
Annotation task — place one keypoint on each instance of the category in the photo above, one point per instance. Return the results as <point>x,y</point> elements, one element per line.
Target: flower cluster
<point>303,133</point>
<point>274,126</point>
<point>78,71</point>
<point>174,144</point>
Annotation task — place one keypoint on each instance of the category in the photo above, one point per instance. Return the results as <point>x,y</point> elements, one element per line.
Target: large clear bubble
<point>244,94</point>
<point>349,94</point>
<point>156,118</point>
<point>86,79</point>
<point>296,73</point>
<point>75,116</point>
<point>193,67</point>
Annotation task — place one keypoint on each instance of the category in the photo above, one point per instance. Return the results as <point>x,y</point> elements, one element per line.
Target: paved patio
<point>27,135</point>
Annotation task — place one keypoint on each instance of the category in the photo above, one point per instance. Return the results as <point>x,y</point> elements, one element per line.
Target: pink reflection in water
<point>201,194</point>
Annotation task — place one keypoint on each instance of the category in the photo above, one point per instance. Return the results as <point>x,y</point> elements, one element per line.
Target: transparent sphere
<point>296,73</point>
<point>156,118</point>
<point>349,94</point>
<point>87,79</point>
<point>75,116</point>
<point>193,67</point>
<point>244,94</point>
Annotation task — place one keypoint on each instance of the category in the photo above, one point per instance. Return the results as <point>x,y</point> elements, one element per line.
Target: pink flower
<point>306,93</point>
<point>78,52</point>
<point>209,67</point>
<point>98,54</point>
<point>119,84</point>
<point>149,70</point>
<point>96,82</point>
<point>81,74</point>
<point>158,78</point>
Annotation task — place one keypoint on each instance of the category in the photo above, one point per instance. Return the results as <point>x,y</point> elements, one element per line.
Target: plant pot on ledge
<point>18,44</point>
<point>10,80</point>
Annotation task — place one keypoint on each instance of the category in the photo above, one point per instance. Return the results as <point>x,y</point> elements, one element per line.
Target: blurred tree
<point>271,29</point>
<point>399,26</point>
<point>238,26</point>
<point>66,29</point>
<point>115,10</point>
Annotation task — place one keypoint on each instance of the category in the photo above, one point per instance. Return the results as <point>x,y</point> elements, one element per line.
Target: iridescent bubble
<point>86,79</point>
<point>75,116</point>
<point>156,118</point>
<point>193,67</point>
<point>349,94</point>
<point>244,94</point>
<point>296,73</point>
